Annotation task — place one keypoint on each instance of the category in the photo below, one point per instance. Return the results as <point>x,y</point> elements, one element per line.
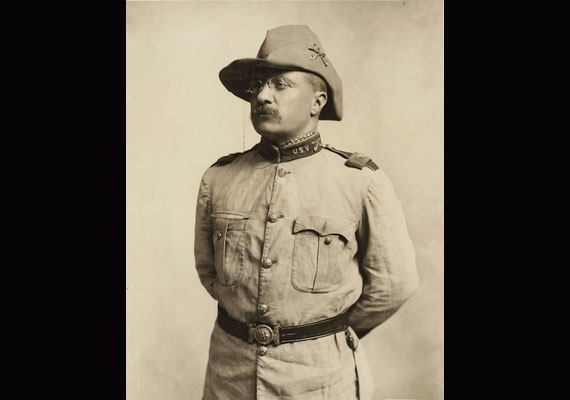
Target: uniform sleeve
<point>387,257</point>
<point>203,246</point>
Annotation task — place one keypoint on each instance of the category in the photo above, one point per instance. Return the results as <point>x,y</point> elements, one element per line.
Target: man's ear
<point>318,103</point>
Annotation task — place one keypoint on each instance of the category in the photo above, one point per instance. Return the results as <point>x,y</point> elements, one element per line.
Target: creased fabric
<point>334,236</point>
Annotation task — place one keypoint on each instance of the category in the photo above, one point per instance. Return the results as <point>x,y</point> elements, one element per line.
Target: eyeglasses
<point>256,85</point>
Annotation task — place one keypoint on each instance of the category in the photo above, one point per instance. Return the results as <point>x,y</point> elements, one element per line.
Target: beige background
<point>180,119</point>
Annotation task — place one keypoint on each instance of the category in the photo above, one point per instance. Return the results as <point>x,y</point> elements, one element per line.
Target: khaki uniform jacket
<point>294,236</point>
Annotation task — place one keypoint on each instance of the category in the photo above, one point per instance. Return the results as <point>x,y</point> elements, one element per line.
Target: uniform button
<point>328,240</point>
<point>266,263</point>
<point>281,172</point>
<point>262,350</point>
<point>272,217</point>
<point>219,235</point>
<point>262,308</point>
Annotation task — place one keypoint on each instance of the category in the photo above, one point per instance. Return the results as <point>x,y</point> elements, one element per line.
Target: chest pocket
<point>322,252</point>
<point>229,237</point>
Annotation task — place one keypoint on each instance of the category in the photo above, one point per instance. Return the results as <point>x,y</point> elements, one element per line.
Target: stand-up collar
<point>288,152</point>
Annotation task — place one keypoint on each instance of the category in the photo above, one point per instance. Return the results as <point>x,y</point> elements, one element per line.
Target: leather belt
<point>265,333</point>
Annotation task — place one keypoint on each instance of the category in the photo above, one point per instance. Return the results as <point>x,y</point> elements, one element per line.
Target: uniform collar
<point>299,149</point>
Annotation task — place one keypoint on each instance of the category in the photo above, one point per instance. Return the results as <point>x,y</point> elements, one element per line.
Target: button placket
<point>266,261</point>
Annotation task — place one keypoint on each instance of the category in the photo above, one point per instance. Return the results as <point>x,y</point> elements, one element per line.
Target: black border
<point>69,231</point>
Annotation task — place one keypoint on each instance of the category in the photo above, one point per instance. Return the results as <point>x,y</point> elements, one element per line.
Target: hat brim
<point>237,75</point>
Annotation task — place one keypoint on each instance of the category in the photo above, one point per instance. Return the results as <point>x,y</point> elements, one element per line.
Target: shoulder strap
<point>230,157</point>
<point>354,160</point>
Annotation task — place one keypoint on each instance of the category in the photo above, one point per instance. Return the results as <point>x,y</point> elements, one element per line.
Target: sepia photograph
<point>284,200</point>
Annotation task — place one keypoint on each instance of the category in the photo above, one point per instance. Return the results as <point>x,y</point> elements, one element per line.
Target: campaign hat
<point>293,48</point>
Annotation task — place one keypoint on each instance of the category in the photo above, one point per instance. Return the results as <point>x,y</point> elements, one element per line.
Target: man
<point>304,247</point>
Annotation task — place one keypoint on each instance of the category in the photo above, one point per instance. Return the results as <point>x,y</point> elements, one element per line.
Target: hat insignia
<point>318,53</point>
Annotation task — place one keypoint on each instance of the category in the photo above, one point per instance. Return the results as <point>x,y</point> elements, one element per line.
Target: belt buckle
<point>263,333</point>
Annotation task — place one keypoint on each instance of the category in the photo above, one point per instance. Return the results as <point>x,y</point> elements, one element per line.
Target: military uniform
<point>293,235</point>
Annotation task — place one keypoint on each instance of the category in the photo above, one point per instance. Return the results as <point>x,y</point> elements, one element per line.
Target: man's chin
<point>266,127</point>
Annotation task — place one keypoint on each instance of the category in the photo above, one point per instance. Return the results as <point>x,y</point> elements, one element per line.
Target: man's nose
<point>265,95</point>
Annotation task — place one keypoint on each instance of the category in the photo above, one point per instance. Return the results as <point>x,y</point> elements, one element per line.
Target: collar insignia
<point>298,149</point>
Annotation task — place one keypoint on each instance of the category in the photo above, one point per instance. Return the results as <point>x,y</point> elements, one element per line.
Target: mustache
<point>264,110</point>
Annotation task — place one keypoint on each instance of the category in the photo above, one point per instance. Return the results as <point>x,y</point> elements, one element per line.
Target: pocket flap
<point>229,215</point>
<point>233,221</point>
<point>325,226</point>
